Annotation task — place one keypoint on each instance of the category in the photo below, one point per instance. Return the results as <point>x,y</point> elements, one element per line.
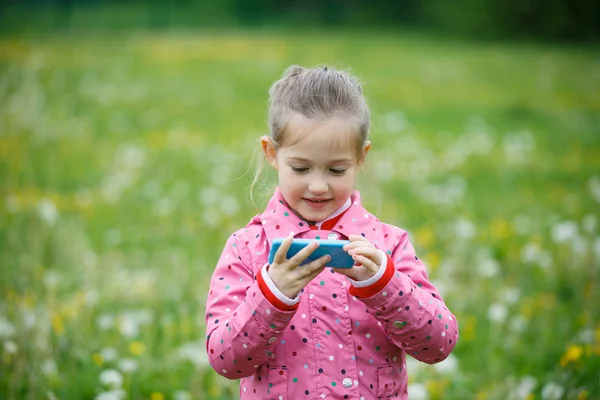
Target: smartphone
<point>334,248</point>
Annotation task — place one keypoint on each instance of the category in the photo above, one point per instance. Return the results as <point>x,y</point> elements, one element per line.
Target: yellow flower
<point>530,396</point>
<point>157,396</point>
<point>424,238</point>
<point>57,324</point>
<point>583,395</point>
<point>97,359</point>
<point>572,354</point>
<point>437,388</point>
<point>500,228</point>
<point>136,348</point>
<point>215,391</point>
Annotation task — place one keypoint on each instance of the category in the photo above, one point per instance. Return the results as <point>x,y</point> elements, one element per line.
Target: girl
<point>294,332</point>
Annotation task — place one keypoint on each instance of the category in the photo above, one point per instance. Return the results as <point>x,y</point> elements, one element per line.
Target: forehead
<point>334,135</point>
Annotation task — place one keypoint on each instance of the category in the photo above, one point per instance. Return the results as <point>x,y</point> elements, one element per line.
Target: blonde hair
<point>316,93</point>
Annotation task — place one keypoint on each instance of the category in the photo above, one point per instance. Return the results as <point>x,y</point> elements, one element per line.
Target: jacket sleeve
<point>410,308</point>
<point>242,326</point>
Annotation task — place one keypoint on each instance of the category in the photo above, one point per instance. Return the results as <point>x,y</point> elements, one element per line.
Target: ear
<point>269,149</point>
<point>365,150</point>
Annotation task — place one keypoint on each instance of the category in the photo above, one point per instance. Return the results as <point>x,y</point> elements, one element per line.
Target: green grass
<point>113,148</point>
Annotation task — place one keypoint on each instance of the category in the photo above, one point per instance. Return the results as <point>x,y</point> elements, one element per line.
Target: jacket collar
<point>279,221</point>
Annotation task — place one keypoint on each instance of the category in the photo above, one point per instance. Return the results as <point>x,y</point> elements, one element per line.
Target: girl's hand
<point>287,275</point>
<point>366,257</point>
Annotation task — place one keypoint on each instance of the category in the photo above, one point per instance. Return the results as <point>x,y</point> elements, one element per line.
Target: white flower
<point>128,365</point>
<point>229,205</point>
<point>6,328</point>
<point>105,321</point>
<point>594,184</point>
<point>116,394</point>
<point>51,279</point>
<point>195,352</point>
<point>488,268</point>
<point>522,224</point>
<point>417,391</point>
<point>589,223</point>
<point>596,247</point>
<point>552,391</point>
<point>510,295</point>
<point>565,231</point>
<point>10,347</point>
<point>448,366</point>
<point>524,388</point>
<point>109,354</point>
<point>464,229</point>
<point>209,195</point>
<point>182,395</point>
<point>497,313</point>
<point>47,211</point>
<point>48,367</point>
<point>111,377</point>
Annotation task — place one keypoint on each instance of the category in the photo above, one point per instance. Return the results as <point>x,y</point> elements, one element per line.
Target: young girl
<point>311,331</point>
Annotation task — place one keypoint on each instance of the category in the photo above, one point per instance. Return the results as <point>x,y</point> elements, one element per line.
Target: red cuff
<point>275,302</point>
<point>372,290</point>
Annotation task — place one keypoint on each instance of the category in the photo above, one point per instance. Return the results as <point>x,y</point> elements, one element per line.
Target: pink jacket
<point>340,342</point>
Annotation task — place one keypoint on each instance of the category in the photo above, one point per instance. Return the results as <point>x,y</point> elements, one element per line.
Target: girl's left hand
<point>366,257</point>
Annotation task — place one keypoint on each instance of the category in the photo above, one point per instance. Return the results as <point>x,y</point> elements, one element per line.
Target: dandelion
<point>523,388</point>
<point>464,229</point>
<point>594,185</point>
<point>194,352</point>
<point>97,359</point>
<point>47,211</point>
<point>589,223</point>
<point>157,396</point>
<point>136,348</point>
<point>128,365</point>
<point>111,377</point>
<point>565,231</point>
<point>448,366</point>
<point>418,391</point>
<point>497,313</point>
<point>104,321</point>
<point>182,395</point>
<point>552,391</point>
<point>6,328</point>
<point>115,394</point>
<point>109,354</point>
<point>48,368</point>
<point>572,354</point>
<point>10,347</point>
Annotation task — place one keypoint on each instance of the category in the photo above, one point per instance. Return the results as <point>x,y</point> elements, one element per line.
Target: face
<point>316,164</point>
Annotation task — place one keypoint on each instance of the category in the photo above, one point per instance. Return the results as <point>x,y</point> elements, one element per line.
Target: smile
<point>317,203</point>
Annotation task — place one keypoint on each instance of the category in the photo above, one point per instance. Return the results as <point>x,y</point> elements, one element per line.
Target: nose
<point>318,186</point>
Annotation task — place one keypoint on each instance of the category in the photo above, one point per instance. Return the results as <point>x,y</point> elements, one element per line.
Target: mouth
<point>317,202</point>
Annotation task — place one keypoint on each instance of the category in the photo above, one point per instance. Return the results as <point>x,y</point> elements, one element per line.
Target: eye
<point>336,171</point>
<point>299,169</point>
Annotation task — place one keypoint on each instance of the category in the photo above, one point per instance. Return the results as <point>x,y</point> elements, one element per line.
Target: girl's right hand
<point>287,275</point>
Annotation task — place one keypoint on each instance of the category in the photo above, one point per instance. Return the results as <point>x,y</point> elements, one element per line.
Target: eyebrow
<point>301,159</point>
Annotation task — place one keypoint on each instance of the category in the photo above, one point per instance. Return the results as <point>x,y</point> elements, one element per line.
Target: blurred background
<point>127,131</point>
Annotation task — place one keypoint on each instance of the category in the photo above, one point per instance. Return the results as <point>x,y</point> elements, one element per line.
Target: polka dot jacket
<point>338,341</point>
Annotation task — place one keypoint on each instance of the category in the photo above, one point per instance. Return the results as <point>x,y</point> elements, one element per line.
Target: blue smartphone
<point>334,248</point>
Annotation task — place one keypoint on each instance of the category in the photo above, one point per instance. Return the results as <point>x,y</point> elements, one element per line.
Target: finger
<point>313,266</point>
<point>357,244</point>
<point>304,253</point>
<point>366,262</point>
<point>281,254</point>
<point>357,238</point>
<point>370,252</point>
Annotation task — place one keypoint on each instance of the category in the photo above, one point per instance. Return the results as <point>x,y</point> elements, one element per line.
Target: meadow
<point>125,162</point>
